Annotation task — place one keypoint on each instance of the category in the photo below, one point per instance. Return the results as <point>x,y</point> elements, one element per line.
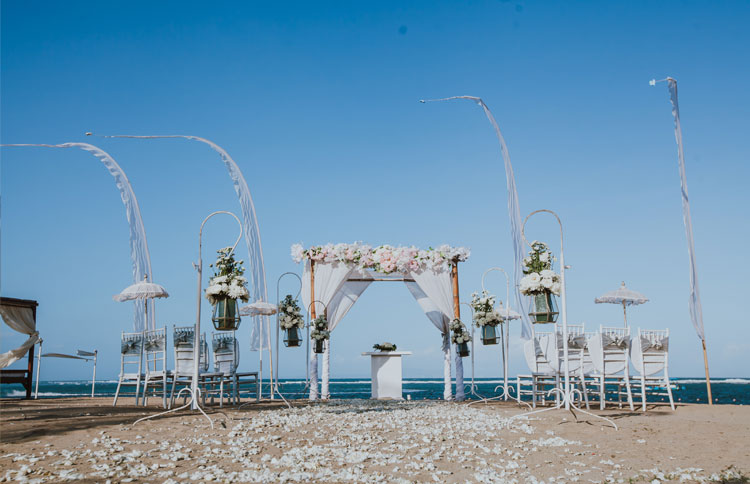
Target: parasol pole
<point>625,313</point>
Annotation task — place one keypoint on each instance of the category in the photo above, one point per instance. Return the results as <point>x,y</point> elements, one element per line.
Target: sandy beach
<point>86,440</point>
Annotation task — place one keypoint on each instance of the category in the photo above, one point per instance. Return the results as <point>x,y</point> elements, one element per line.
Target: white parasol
<point>624,296</point>
<point>259,308</point>
<point>141,290</point>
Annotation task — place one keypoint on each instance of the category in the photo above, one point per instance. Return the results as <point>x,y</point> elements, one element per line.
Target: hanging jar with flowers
<point>541,284</point>
<point>486,316</point>
<point>460,337</point>
<point>291,321</point>
<point>320,333</point>
<point>224,289</point>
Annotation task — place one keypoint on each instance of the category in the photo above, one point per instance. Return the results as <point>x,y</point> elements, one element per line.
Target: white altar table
<point>385,367</point>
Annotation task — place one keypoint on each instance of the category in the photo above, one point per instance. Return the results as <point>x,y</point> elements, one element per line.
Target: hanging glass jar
<point>489,335</point>
<point>462,349</point>
<point>292,337</point>
<point>543,308</point>
<point>319,346</point>
<point>226,315</point>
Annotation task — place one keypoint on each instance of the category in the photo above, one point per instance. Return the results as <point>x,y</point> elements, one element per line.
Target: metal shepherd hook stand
<point>566,395</point>
<point>278,296</point>
<point>194,390</point>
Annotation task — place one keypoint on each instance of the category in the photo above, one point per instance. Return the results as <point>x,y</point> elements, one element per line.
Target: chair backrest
<point>184,340</point>
<point>155,342</point>
<point>615,348</point>
<point>576,345</point>
<point>540,352</point>
<point>226,352</point>
<point>131,352</point>
<point>650,351</point>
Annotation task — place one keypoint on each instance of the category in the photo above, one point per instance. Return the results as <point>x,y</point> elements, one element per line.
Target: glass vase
<point>319,347</point>
<point>462,349</point>
<point>226,315</point>
<point>489,335</point>
<point>292,337</point>
<point>543,308</point>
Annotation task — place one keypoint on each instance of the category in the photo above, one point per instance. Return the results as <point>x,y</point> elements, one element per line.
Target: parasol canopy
<point>624,296</point>
<point>259,308</point>
<point>61,355</point>
<point>141,290</point>
<point>510,313</point>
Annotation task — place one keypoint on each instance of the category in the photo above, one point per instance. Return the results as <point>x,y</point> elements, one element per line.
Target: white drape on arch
<point>19,319</point>
<point>329,278</point>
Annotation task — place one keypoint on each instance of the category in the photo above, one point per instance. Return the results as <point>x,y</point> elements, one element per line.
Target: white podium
<point>385,367</point>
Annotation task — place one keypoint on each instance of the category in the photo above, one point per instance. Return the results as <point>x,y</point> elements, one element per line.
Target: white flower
<point>297,253</point>
<point>544,257</point>
<point>547,282</point>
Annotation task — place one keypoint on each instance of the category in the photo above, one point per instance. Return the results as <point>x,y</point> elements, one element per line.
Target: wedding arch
<point>335,276</point>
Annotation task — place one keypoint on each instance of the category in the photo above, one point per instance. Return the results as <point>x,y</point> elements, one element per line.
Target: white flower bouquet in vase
<point>291,321</point>
<point>225,288</point>
<point>486,316</point>
<point>460,337</point>
<point>320,333</point>
<point>541,284</point>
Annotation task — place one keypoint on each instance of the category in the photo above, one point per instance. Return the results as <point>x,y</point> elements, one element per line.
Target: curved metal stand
<point>278,284</point>
<point>193,397</point>
<point>565,397</point>
<point>504,332</point>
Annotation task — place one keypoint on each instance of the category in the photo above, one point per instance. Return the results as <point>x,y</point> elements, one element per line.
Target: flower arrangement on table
<point>384,347</point>
<point>460,337</point>
<point>291,321</point>
<point>541,283</point>
<point>385,258</point>
<point>486,316</point>
<point>320,333</point>
<point>224,289</point>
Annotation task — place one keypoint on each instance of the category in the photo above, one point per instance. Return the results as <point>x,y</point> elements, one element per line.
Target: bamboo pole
<point>708,379</point>
<point>456,302</point>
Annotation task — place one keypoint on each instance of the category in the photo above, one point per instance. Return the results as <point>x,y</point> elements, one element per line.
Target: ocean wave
<point>22,393</point>
<point>734,381</point>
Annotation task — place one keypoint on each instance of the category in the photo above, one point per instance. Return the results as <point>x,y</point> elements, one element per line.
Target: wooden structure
<point>24,377</point>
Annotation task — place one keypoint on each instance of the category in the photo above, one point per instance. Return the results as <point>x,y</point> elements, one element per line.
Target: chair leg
<point>137,389</point>
<point>117,392</point>
<point>171,395</point>
<point>630,393</point>
<point>643,392</point>
<point>585,391</point>
<point>164,391</point>
<point>602,404</point>
<point>145,390</point>
<point>669,391</point>
<point>257,389</point>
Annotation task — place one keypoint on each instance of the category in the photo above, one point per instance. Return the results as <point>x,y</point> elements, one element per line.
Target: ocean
<point>731,391</point>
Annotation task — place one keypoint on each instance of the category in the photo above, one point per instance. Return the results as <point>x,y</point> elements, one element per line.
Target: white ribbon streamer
<point>139,254</point>
<point>694,302</point>
<point>514,212</point>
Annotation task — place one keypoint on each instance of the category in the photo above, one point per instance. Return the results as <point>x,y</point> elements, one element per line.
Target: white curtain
<point>329,277</point>
<point>441,322</point>
<point>19,319</point>
<point>338,307</point>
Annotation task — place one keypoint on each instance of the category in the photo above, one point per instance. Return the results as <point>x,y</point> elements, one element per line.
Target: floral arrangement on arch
<point>384,258</point>
<point>485,313</point>
<point>290,314</point>
<point>384,347</point>
<point>228,282</point>
<point>539,277</point>
<point>459,333</point>
<point>320,329</point>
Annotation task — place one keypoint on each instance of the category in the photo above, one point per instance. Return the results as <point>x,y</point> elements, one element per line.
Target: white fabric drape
<point>19,319</point>
<point>441,320</point>
<point>543,346</point>
<point>696,310</point>
<point>329,277</point>
<point>338,307</point>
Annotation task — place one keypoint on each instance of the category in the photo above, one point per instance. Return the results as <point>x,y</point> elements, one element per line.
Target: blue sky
<point>317,102</point>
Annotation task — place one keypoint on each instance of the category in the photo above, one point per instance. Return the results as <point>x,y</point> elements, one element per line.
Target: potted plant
<point>225,288</point>
<point>320,333</point>
<point>384,347</point>
<point>540,283</point>
<point>486,317</point>
<point>460,337</point>
<point>291,321</point>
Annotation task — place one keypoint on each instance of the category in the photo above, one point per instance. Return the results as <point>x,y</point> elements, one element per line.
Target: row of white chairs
<point>599,364</point>
<point>143,359</point>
